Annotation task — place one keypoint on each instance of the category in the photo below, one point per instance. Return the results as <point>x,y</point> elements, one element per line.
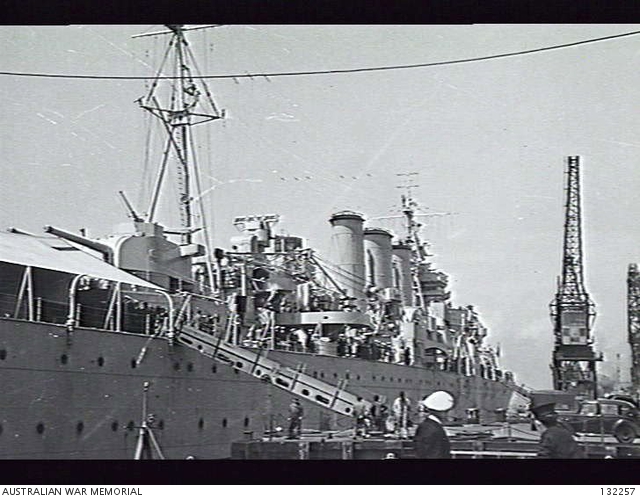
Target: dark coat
<point>557,442</point>
<point>432,441</point>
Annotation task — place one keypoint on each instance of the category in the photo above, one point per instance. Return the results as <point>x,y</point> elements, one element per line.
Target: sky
<point>489,141</point>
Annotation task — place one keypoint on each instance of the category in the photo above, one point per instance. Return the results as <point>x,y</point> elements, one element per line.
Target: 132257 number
<point>617,491</point>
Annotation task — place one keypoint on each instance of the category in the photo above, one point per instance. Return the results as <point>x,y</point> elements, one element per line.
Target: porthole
<point>79,427</point>
<point>101,361</point>
<point>335,375</point>
<point>224,423</point>
<point>305,392</point>
<point>373,377</point>
<point>239,365</point>
<point>190,367</point>
<point>114,426</point>
<point>322,375</point>
<point>200,347</point>
<point>235,371</point>
<point>40,428</point>
<point>201,423</point>
<point>258,372</point>
<point>64,358</point>
<point>176,366</point>
<point>246,422</point>
<point>358,377</point>
<point>3,354</point>
<point>134,363</point>
<point>214,369</point>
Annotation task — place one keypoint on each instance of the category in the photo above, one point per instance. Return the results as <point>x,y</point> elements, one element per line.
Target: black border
<point>48,12</point>
<point>390,472</point>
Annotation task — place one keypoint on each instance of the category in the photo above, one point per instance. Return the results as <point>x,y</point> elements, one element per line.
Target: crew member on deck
<point>557,441</point>
<point>431,439</point>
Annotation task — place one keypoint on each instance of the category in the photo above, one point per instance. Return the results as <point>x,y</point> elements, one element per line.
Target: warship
<point>150,342</point>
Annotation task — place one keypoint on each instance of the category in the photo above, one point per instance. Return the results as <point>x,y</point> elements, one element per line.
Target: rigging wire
<point>334,71</point>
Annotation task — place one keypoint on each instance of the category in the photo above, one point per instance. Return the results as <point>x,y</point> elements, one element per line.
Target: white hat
<point>439,401</point>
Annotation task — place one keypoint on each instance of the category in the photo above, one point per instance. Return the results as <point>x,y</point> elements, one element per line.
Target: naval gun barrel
<point>106,251</point>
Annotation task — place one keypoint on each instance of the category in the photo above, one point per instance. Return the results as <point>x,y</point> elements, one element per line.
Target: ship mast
<point>188,102</point>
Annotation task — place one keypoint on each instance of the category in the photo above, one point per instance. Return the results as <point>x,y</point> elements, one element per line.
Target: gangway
<point>295,381</point>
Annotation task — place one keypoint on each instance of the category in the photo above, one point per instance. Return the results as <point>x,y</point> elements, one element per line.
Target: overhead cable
<point>328,71</point>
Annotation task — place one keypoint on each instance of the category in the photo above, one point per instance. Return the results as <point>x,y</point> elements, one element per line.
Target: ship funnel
<point>348,253</point>
<point>377,249</point>
<point>402,272</point>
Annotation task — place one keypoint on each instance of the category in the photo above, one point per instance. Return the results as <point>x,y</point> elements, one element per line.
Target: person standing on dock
<point>557,441</point>
<point>401,408</point>
<point>360,413</point>
<point>431,440</point>
<point>295,419</point>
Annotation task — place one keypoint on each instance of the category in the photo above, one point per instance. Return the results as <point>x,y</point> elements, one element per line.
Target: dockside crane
<point>572,311</point>
<point>633,321</point>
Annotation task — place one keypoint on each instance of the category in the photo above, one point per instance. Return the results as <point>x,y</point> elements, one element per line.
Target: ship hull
<point>80,395</point>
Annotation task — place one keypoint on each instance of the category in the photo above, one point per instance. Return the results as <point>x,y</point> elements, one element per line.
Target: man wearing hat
<point>557,441</point>
<point>431,440</point>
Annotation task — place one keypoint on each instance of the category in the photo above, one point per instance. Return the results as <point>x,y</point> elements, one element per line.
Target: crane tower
<point>572,311</point>
<point>633,318</point>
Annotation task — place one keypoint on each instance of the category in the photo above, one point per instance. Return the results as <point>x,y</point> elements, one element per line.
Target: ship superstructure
<point>376,299</point>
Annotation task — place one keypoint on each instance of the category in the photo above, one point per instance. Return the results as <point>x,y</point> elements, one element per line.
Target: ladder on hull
<point>256,364</point>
